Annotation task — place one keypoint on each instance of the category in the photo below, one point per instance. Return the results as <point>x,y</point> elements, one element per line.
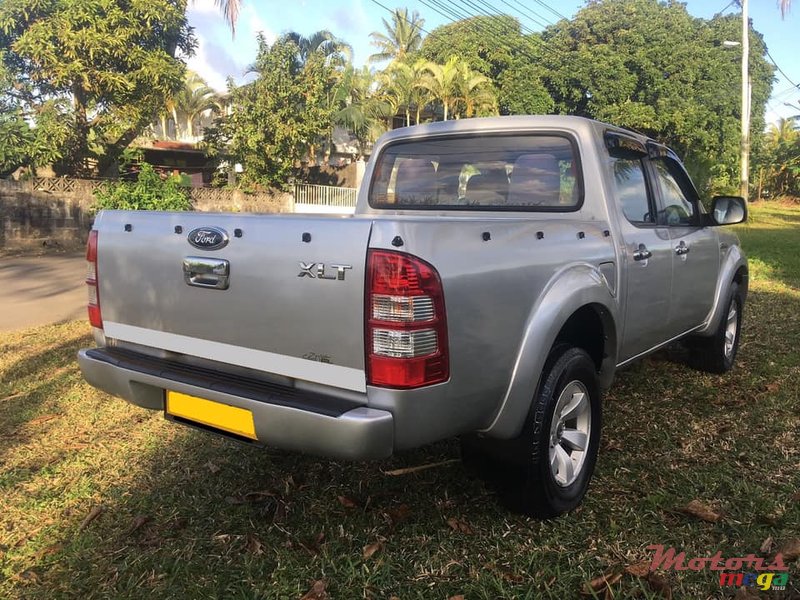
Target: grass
<point>181,514</point>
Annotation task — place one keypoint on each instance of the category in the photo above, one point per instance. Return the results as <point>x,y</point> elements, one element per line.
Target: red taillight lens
<point>406,333</point>
<point>92,281</point>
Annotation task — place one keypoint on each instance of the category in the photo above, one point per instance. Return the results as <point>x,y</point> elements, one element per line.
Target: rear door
<point>647,251</point>
<point>283,294</point>
<point>695,249</point>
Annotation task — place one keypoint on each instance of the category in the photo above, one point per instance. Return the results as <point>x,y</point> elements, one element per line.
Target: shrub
<point>148,192</point>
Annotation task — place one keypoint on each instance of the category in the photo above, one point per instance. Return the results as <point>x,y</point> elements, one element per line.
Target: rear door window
<point>493,172</point>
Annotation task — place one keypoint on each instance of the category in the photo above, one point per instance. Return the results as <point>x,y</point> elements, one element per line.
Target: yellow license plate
<point>232,419</point>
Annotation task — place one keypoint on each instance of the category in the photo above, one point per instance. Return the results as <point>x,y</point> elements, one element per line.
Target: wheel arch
<point>577,307</point>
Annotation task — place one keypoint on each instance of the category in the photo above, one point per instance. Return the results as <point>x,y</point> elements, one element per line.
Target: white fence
<point>310,198</point>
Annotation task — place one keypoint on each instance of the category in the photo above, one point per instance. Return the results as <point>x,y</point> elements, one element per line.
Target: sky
<point>220,54</point>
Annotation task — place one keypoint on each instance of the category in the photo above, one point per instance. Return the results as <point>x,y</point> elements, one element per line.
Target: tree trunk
<point>445,109</point>
<point>408,117</point>
<point>175,120</point>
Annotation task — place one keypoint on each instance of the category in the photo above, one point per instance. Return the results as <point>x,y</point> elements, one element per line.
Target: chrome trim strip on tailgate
<point>290,366</point>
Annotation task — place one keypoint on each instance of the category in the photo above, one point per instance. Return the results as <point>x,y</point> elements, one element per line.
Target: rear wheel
<point>716,354</point>
<point>546,471</point>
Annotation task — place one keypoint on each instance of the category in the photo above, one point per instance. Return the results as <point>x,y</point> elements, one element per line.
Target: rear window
<point>500,172</point>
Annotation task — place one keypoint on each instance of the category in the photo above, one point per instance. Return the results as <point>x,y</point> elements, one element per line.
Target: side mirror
<point>728,210</point>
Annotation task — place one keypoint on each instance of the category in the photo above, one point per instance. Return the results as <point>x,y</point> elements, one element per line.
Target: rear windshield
<point>499,172</point>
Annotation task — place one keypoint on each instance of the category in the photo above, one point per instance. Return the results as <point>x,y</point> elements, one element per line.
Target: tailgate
<point>288,306</point>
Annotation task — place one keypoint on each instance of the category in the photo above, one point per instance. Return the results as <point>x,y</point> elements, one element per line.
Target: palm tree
<point>444,83</point>
<point>335,50</point>
<point>401,37</point>
<point>192,101</point>
<point>477,95</point>
<point>230,9</point>
<point>362,111</point>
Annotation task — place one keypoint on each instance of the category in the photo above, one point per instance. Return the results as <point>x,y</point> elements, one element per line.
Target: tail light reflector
<point>406,324</point>
<point>92,281</point>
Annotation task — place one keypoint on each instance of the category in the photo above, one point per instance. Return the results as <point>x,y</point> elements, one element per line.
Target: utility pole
<point>744,178</point>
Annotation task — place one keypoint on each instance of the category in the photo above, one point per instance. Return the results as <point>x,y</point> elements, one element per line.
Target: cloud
<point>218,54</point>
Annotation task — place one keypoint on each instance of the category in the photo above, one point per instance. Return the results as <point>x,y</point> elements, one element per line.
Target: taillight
<point>92,282</point>
<point>406,333</point>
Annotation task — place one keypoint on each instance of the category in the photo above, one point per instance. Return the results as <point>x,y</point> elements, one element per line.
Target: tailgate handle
<point>203,272</point>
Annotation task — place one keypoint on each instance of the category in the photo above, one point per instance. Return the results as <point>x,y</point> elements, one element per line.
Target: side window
<point>631,189</point>
<point>678,209</point>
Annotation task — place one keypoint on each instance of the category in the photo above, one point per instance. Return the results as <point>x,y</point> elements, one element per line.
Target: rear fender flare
<point>570,289</point>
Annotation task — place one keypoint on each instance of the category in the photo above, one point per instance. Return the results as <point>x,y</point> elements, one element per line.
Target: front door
<point>648,259</point>
<point>695,249</point>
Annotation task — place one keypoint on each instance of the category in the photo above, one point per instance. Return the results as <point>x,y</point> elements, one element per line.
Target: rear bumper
<point>281,420</point>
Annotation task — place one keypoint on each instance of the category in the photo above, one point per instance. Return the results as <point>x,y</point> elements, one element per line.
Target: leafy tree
<point>652,67</point>
<point>402,36</point>
<point>148,192</point>
<point>362,111</point>
<point>778,164</point>
<point>92,73</point>
<point>275,118</point>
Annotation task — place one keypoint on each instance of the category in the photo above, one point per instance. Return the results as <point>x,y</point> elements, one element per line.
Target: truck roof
<point>507,124</point>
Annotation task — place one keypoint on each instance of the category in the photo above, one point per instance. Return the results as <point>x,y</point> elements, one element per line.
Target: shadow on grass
<point>33,388</point>
<point>188,515</point>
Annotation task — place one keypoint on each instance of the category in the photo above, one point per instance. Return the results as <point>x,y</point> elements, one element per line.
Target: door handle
<point>642,253</point>
<point>682,249</point>
<point>213,273</point>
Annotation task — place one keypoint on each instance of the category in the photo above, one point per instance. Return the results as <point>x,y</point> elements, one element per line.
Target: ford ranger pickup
<point>494,276</point>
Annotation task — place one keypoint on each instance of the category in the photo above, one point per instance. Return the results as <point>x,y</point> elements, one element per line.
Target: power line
<point>782,72</point>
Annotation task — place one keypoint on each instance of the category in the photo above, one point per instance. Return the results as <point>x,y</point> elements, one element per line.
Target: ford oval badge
<point>208,238</point>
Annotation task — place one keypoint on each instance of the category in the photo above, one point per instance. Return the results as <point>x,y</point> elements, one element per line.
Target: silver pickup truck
<point>495,275</point>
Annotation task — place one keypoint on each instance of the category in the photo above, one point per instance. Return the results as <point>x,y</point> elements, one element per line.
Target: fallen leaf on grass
<point>96,511</point>
<point>28,577</point>
<point>138,522</point>
<point>51,549</point>
<point>766,546</point>
<point>371,549</point>
<point>253,545</point>
<point>251,497</point>
<point>602,583</point>
<point>347,502</point>
<point>214,469</point>
<point>397,514</point>
<point>42,419</point>
<point>459,597</point>
<point>312,546</point>
<point>317,592</point>
<point>459,525</point>
<point>743,594</point>
<point>640,569</point>
<point>408,470</point>
<point>698,509</point>
<point>790,550</point>
<point>660,585</point>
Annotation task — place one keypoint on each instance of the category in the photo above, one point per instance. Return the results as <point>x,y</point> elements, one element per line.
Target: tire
<point>717,353</point>
<point>520,469</point>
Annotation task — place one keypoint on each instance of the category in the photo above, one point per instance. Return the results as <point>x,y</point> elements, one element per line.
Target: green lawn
<point>187,515</point>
